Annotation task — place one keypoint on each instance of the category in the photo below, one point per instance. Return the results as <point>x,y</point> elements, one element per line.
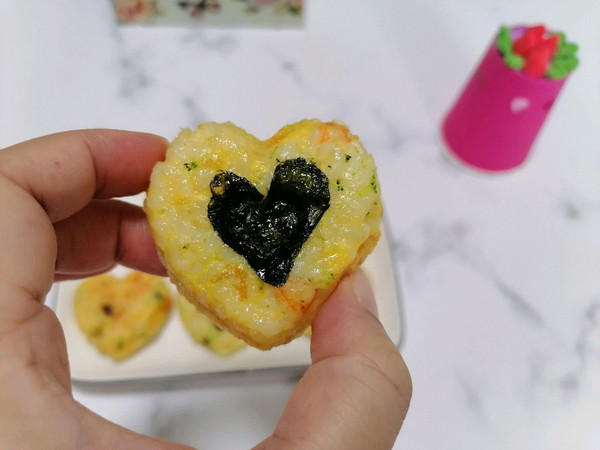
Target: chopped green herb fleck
<point>97,332</point>
<point>339,185</point>
<point>348,158</point>
<point>159,296</point>
<point>186,246</point>
<point>190,165</point>
<point>206,341</point>
<point>120,343</point>
<point>374,182</point>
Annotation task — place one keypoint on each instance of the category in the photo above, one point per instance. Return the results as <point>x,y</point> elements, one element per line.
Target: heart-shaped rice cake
<point>257,234</point>
<point>120,316</point>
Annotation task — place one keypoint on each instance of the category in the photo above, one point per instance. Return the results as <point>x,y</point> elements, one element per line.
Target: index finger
<point>64,171</point>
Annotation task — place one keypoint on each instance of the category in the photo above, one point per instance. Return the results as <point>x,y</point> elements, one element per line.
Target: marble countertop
<point>499,272</point>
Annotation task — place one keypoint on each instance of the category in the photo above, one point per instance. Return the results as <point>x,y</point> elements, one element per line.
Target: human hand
<point>356,393</point>
<point>59,222</point>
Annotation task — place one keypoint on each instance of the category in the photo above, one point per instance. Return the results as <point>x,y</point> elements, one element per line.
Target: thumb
<point>357,391</point>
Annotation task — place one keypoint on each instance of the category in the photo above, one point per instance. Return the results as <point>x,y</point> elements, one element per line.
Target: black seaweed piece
<point>269,231</point>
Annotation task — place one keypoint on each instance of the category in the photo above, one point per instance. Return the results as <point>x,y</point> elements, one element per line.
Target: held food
<point>257,234</point>
<point>121,316</point>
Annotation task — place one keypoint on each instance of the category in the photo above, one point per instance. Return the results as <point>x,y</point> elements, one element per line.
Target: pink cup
<point>496,119</point>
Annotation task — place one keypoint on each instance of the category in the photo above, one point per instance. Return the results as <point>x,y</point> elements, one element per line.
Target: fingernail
<point>362,290</point>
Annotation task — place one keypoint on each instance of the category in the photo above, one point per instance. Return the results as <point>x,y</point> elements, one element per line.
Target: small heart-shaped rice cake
<point>257,234</point>
<point>203,331</point>
<point>121,316</point>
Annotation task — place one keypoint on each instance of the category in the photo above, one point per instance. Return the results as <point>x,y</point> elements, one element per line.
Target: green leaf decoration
<point>504,41</point>
<point>567,49</point>
<point>565,59</point>
<point>556,72</point>
<point>514,61</point>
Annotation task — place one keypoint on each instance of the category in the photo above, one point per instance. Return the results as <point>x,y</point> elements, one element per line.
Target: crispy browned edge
<point>267,343</point>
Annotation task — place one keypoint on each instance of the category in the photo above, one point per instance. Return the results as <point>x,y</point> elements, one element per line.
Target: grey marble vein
<point>395,138</point>
<point>195,114</point>
<point>472,397</point>
<point>559,375</point>
<point>518,302</point>
<point>575,207</point>
<point>588,342</point>
<point>134,77</point>
<point>131,71</point>
<point>432,241</point>
<point>342,101</point>
<point>553,378</point>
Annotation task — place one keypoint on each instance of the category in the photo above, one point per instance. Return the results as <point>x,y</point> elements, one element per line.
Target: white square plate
<point>174,353</point>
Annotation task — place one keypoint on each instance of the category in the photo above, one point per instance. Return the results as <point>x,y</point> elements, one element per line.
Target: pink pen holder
<point>494,123</point>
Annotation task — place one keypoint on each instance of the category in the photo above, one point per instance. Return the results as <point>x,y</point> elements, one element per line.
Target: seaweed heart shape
<point>269,231</point>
